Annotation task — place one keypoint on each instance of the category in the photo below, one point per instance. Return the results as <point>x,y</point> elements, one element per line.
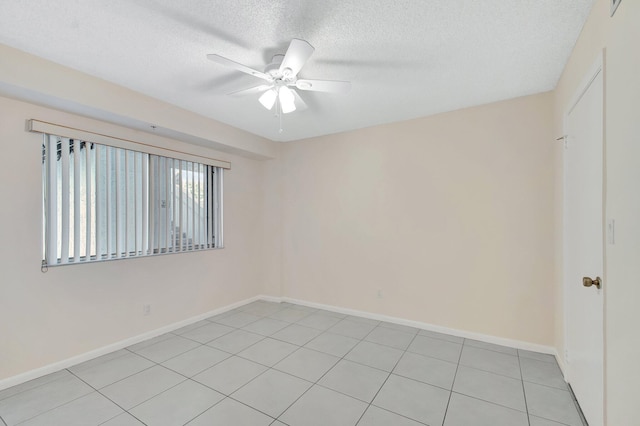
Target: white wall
<point>449,216</point>
<point>45,318</point>
<point>619,36</point>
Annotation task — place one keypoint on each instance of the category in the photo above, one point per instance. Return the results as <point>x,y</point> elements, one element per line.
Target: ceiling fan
<point>281,78</point>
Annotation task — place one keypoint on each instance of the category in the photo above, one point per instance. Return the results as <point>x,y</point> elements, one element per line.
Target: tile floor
<point>282,364</point>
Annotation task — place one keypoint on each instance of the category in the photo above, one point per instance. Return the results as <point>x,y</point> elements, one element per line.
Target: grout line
<point>524,393</point>
<point>388,376</point>
<point>446,410</point>
<point>577,405</point>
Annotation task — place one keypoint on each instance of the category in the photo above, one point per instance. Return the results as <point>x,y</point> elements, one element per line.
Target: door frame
<point>597,68</point>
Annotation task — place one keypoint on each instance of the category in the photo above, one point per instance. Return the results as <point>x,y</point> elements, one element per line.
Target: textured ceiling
<point>405,58</point>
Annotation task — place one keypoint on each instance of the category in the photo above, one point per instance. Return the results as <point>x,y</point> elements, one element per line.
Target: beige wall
<point>620,36</point>
<point>45,318</point>
<point>450,217</point>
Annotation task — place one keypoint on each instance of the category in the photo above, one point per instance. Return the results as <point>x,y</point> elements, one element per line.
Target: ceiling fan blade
<point>324,86</point>
<point>300,104</point>
<point>235,65</point>
<point>298,53</point>
<point>251,90</point>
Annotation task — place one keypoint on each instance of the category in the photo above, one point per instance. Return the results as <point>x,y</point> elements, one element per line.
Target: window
<point>103,202</point>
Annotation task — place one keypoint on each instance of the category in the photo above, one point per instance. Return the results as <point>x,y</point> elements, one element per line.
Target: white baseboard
<point>69,362</point>
<point>518,344</point>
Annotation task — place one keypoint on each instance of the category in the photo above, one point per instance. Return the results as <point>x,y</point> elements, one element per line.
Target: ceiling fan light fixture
<point>287,100</point>
<point>268,99</point>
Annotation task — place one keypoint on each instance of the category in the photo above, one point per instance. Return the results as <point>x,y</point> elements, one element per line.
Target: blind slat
<point>210,207</point>
<point>145,205</point>
<point>168,203</point>
<point>100,206</point>
<point>88,199</point>
<point>52,199</point>
<point>153,165</point>
<point>64,165</point>
<point>109,205</point>
<point>76,201</point>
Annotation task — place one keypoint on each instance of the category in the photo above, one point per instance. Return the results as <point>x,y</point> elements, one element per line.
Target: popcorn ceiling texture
<point>405,58</point>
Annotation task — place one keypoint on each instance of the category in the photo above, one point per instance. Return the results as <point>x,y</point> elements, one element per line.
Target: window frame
<point>209,175</point>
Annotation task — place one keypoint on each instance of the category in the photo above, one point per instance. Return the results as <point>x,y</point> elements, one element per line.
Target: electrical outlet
<point>146,309</point>
<point>380,294</point>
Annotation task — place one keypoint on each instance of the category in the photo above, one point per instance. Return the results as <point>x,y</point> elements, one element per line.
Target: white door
<point>583,227</point>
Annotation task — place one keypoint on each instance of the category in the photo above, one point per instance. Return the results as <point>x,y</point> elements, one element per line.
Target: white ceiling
<point>405,58</point>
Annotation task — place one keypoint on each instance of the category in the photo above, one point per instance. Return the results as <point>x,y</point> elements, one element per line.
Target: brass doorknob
<point>588,282</point>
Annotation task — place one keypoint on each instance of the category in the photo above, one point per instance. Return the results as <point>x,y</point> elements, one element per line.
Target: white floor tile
<point>229,375</point>
<point>389,337</point>
<point>542,373</point>
<point>136,389</point>
<point>111,370</point>
<point>307,364</point>
<point>375,355</point>
<point>268,351</point>
<point>235,341</point>
<point>272,392</point>
<point>37,400</point>
<point>6,393</point>
<point>322,407</point>
<point>441,336</point>
<point>375,416</point>
<point>89,410</point>
<point>208,332</point>
<point>196,360</point>
<point>124,419</point>
<point>266,326</point>
<point>536,355</point>
<point>355,380</point>
<point>231,413</point>
<point>319,321</point>
<point>491,347</point>
<point>238,320</point>
<point>493,362</point>
<point>297,334</point>
<point>426,369</point>
<point>550,403</point>
<point>436,348</point>
<point>167,349</point>
<point>356,330</point>
<point>416,400</point>
<point>490,387</point>
<point>289,315</point>
<point>332,344</point>
<point>177,405</point>
<point>465,411</point>
<point>537,421</point>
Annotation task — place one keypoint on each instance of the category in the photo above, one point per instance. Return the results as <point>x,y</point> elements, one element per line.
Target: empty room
<point>320,213</point>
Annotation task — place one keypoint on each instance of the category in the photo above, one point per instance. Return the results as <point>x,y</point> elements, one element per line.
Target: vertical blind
<point>103,202</point>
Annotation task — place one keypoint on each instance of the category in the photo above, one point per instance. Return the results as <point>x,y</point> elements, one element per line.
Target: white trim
<point>69,362</point>
<point>86,135</point>
<point>518,344</point>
